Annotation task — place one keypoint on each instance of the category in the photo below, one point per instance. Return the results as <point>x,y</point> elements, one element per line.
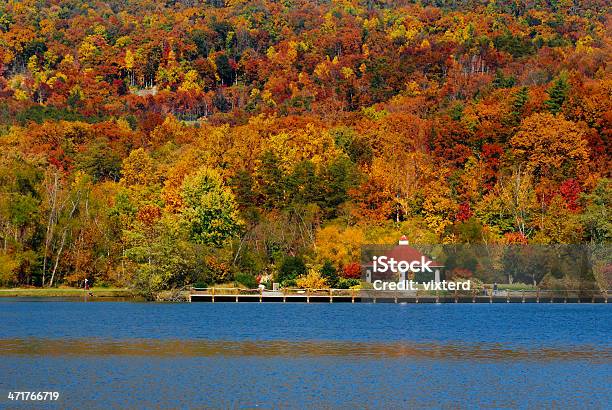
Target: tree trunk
<point>59,253</point>
<point>50,227</point>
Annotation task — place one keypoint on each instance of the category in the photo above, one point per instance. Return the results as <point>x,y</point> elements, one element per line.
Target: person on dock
<point>260,285</point>
<point>495,289</point>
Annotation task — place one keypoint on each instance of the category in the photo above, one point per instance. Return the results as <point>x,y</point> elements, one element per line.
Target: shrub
<point>351,271</point>
<point>247,280</point>
<point>289,283</point>
<point>328,272</point>
<point>313,280</point>
<point>291,268</point>
<point>200,284</point>
<point>344,283</point>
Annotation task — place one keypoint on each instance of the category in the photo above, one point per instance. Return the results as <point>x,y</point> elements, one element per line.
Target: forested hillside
<point>156,144</point>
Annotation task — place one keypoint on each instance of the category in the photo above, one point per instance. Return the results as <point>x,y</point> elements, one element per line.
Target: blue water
<point>147,355</point>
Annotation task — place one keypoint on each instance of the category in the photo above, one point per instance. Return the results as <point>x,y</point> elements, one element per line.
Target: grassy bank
<point>65,292</point>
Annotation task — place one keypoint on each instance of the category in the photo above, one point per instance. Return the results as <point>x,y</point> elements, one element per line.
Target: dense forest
<point>156,144</point>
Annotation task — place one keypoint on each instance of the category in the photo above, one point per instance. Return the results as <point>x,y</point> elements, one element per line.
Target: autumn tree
<point>158,256</point>
<point>138,169</point>
<point>210,210</point>
<point>558,224</point>
<point>596,218</point>
<point>339,246</point>
<point>551,145</point>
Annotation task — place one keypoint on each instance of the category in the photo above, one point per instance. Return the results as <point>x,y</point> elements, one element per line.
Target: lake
<point>152,355</point>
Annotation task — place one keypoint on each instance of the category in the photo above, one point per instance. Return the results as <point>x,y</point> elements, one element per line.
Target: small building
<point>403,252</point>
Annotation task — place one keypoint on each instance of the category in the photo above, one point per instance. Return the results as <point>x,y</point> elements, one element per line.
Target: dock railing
<point>486,294</point>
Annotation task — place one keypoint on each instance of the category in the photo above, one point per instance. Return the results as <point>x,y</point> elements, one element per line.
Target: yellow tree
<point>552,146</point>
<point>558,224</point>
<point>340,246</point>
<point>138,168</point>
<point>309,143</point>
<point>129,62</point>
<point>439,208</point>
<point>191,82</point>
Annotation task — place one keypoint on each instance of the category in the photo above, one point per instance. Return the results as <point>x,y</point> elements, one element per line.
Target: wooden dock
<point>216,295</point>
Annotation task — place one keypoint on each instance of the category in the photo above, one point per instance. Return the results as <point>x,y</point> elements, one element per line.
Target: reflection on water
<point>280,349</point>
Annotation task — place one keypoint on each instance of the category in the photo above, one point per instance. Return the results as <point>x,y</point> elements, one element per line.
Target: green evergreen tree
<point>557,94</point>
<point>519,99</point>
<point>340,177</point>
<point>304,185</point>
<point>271,181</point>
<point>501,81</point>
<point>242,184</point>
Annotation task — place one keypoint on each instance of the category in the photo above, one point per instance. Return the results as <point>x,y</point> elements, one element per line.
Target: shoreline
<point>66,292</point>
<point>183,296</point>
